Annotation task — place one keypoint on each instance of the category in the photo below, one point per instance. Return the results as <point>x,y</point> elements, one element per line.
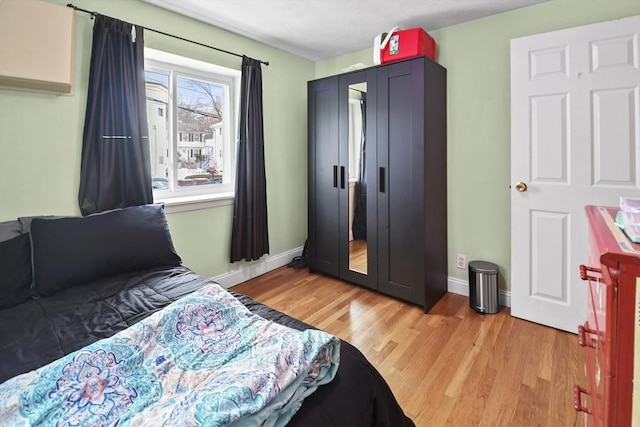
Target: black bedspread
<point>42,330</point>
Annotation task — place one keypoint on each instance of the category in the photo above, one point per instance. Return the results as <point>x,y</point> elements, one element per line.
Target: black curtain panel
<point>249,235</point>
<point>359,226</point>
<point>115,170</point>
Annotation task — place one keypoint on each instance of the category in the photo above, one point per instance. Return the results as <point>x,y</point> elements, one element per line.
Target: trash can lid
<point>483,267</point>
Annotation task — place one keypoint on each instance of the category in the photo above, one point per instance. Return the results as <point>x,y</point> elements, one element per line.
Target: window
<point>192,146</point>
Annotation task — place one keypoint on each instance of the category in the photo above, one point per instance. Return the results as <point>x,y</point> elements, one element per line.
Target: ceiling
<point>321,29</point>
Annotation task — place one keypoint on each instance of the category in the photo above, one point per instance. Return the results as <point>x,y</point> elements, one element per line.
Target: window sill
<point>192,203</point>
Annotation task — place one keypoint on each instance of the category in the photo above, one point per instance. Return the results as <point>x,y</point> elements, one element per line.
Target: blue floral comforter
<point>203,360</point>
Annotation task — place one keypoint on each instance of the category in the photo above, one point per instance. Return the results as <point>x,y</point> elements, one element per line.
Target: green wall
<point>476,55</point>
<point>41,137</point>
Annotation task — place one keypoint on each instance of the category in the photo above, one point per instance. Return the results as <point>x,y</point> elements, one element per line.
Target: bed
<point>101,324</point>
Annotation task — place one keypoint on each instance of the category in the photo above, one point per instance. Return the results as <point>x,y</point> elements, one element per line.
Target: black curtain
<point>115,170</point>
<point>359,226</point>
<point>249,235</point>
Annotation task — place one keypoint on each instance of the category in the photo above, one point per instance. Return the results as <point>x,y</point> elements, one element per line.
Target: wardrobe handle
<point>382,180</point>
<point>335,176</point>
<point>342,177</point>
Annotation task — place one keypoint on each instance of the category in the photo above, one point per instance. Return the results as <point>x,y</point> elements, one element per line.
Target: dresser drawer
<point>596,377</point>
<point>597,293</point>
<point>592,335</point>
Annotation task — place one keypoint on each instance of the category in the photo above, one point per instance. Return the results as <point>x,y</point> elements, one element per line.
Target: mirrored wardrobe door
<point>357,178</point>
<point>358,195</point>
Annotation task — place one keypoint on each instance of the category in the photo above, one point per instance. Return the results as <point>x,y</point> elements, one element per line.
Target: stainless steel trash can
<point>483,287</point>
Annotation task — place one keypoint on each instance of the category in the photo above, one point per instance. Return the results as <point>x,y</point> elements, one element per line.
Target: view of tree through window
<point>188,142</point>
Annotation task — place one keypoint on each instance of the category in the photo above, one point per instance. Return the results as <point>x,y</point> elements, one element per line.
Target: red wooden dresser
<point>611,334</point>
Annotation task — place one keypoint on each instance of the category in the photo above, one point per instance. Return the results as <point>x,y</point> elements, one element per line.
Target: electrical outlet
<point>461,261</point>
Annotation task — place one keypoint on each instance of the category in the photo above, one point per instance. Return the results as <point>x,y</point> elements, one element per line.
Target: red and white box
<point>404,44</point>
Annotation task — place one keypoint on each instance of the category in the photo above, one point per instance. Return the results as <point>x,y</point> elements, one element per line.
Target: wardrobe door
<point>358,205</point>
<point>434,240</point>
<point>412,231</point>
<point>401,177</point>
<point>324,176</point>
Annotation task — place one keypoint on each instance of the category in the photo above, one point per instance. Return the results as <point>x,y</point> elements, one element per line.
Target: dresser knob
<point>582,338</point>
<point>577,399</point>
<point>585,276</point>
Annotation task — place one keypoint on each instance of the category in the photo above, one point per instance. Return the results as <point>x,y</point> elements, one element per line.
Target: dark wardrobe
<point>378,179</point>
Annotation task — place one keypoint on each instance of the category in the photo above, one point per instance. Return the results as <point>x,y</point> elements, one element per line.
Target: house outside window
<point>193,146</point>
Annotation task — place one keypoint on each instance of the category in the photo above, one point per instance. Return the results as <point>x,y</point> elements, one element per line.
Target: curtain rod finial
<point>77,9</point>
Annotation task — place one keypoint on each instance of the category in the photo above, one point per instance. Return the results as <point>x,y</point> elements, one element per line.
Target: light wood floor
<point>358,256</point>
<point>450,367</point>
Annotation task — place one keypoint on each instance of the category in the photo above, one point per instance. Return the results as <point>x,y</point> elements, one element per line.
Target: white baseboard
<point>461,287</point>
<point>257,268</point>
<point>262,266</point>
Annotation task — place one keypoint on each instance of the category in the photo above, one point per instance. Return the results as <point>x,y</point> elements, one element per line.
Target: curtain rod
<point>76,8</point>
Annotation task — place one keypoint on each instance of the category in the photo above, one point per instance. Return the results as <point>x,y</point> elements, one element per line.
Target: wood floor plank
<point>449,367</point>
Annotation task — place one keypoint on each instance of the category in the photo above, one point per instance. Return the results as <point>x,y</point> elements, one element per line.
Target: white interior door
<point>575,141</point>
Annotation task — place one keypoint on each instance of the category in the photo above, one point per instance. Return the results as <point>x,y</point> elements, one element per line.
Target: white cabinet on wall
<point>36,46</point>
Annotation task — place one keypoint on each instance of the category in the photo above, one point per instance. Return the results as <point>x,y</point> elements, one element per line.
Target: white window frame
<point>205,196</point>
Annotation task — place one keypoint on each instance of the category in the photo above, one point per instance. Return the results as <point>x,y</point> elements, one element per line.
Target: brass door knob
<point>521,186</point>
